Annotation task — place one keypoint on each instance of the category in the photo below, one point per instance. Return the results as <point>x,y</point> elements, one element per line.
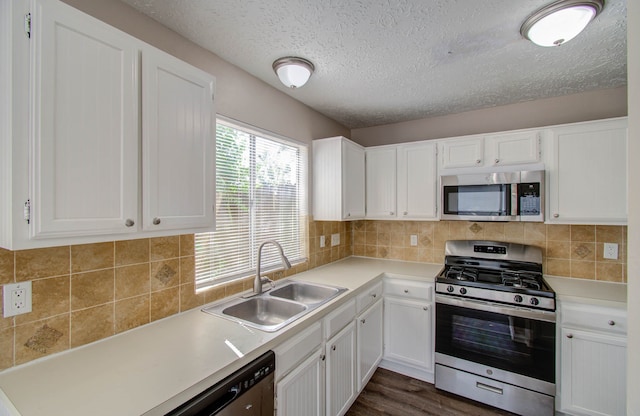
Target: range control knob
<point>449,288</point>
<point>517,298</point>
<point>463,291</point>
<point>534,301</point>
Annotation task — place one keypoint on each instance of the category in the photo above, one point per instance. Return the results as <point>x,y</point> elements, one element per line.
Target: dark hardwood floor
<point>389,393</point>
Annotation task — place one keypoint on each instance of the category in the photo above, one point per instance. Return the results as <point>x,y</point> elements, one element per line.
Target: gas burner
<point>462,273</point>
<point>524,279</point>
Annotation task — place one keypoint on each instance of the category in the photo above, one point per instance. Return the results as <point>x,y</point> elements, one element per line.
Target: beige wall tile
<point>161,248</point>
<point>41,338</point>
<point>558,267</point>
<point>6,347</point>
<point>165,274</point>
<point>189,299</point>
<point>371,237</point>
<point>514,232</point>
<point>233,288</point>
<point>132,252</point>
<point>165,303</point>
<point>494,231</point>
<point>609,234</point>
<point>425,255</point>
<point>41,262</point>
<point>535,231</point>
<point>5,322</point>
<point>559,232</point>
<point>441,231</point>
<point>558,249</point>
<point>610,272</point>
<point>187,245</point>
<point>92,288</point>
<point>586,233</point>
<point>187,270</point>
<point>132,312</point>
<point>50,297</point>
<point>213,294</point>
<point>92,324</point>
<point>6,266</point>
<point>583,269</point>
<point>87,257</point>
<point>583,251</point>
<point>132,280</point>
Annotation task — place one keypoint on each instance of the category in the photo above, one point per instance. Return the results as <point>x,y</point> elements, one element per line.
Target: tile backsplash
<point>83,293</point>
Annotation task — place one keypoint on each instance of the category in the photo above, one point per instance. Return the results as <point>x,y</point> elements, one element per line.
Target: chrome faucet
<point>257,282</point>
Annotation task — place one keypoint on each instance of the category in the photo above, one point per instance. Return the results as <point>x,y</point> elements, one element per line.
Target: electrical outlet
<point>16,299</point>
<point>414,240</point>
<point>322,243</point>
<point>610,251</point>
<point>335,239</point>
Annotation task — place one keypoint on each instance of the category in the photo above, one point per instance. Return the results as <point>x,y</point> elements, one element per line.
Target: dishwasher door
<point>247,392</point>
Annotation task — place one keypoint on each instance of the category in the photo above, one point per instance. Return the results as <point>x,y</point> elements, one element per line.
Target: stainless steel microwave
<point>494,196</point>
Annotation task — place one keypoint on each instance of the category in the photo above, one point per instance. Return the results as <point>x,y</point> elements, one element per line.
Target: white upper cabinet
<point>177,146</point>
<point>338,180</point>
<point>78,174</point>
<point>85,125</point>
<point>588,174</point>
<point>402,181</point>
<point>381,182</point>
<point>500,149</point>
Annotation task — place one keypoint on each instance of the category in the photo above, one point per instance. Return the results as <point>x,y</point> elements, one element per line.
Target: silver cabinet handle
<point>497,161</point>
<point>612,323</point>
<point>556,215</point>
<point>156,221</point>
<point>129,222</point>
<point>323,357</point>
<point>569,335</point>
<point>487,387</point>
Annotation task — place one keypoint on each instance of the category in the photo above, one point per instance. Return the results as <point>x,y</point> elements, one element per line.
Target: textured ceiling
<point>386,61</point>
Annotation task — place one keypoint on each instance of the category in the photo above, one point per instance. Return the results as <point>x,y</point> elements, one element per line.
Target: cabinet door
<point>381,182</point>
<point>369,343</point>
<point>514,148</point>
<point>411,341</point>
<point>178,144</point>
<point>593,373</point>
<point>341,371</point>
<point>588,179</point>
<point>462,153</point>
<point>417,181</point>
<point>85,125</point>
<point>353,199</point>
<point>301,392</point>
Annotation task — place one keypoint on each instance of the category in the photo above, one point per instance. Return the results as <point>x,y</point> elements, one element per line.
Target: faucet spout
<point>257,282</point>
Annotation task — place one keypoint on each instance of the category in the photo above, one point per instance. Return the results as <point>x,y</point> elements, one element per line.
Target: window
<point>260,195</point>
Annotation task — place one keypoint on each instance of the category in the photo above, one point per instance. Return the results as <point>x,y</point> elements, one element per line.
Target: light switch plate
<point>335,239</point>
<point>414,240</point>
<point>322,243</point>
<point>16,299</point>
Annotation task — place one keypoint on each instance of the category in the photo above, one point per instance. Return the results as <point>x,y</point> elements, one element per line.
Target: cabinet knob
<point>391,213</point>
<point>569,335</point>
<point>497,161</point>
<point>156,221</point>
<point>348,214</point>
<point>425,308</point>
<point>363,321</point>
<point>129,222</point>
<point>373,295</point>
<point>406,291</point>
<point>612,323</point>
<point>323,357</point>
<point>556,215</point>
<point>333,348</point>
<point>406,213</point>
<point>478,161</point>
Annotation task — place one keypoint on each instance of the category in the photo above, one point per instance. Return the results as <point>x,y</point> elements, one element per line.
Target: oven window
<point>519,345</point>
<point>493,200</point>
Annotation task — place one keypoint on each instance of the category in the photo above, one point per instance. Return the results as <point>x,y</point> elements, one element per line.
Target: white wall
<point>633,262</point>
<point>592,105</point>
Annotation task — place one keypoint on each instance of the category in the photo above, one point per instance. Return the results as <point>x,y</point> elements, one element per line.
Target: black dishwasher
<point>247,392</point>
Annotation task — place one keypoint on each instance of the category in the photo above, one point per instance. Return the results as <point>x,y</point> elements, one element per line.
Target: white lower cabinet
<point>369,342</point>
<point>593,347</point>
<point>409,328</point>
<point>301,392</point>
<point>341,371</point>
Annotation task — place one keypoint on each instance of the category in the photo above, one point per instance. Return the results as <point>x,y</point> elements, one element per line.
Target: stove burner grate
<point>522,279</point>
<point>462,273</point>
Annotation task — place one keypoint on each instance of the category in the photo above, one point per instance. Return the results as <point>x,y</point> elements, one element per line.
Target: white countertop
<point>154,368</point>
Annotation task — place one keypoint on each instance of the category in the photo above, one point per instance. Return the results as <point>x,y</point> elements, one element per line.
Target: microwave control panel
<point>529,198</point>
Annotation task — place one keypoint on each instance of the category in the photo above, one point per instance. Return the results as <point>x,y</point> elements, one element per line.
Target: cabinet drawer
<point>408,289</point>
<point>339,318</point>
<point>370,295</point>
<point>597,317</point>
<point>296,349</point>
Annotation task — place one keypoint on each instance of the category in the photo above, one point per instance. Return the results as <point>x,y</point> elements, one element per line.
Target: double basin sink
<point>277,308</point>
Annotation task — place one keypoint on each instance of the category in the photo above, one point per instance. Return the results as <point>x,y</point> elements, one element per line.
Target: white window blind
<point>260,195</point>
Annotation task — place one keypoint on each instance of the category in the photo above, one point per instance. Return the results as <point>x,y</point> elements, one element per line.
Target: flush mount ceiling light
<point>561,21</point>
<point>292,71</point>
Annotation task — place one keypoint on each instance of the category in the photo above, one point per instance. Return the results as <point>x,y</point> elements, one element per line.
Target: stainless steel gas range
<point>496,326</point>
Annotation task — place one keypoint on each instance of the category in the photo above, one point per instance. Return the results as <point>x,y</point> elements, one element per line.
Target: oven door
<point>488,335</point>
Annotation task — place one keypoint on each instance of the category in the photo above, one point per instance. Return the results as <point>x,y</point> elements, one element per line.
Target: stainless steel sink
<point>272,311</point>
<point>307,293</point>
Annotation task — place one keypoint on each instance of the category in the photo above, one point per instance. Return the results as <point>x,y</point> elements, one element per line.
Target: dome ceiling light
<point>292,71</point>
<point>560,21</point>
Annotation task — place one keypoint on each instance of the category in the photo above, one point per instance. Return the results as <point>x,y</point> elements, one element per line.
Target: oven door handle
<point>480,305</point>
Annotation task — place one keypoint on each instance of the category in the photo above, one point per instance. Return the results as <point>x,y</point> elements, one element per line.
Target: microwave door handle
<point>514,199</point>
